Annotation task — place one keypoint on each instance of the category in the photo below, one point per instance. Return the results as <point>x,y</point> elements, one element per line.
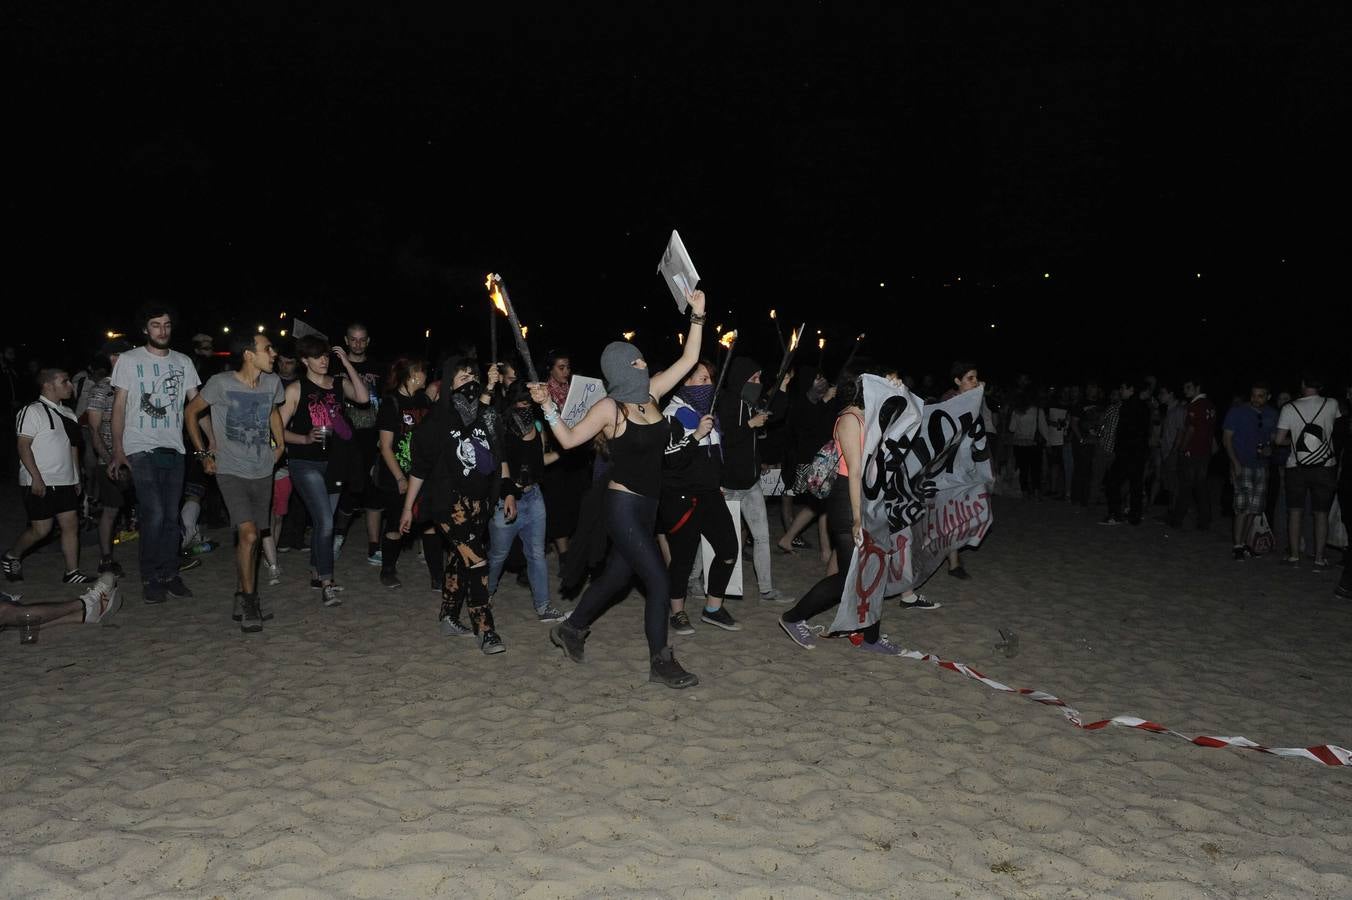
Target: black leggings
<point>630,519</point>
<point>827,593</point>
<point>1029,461</point>
<point>687,518</point>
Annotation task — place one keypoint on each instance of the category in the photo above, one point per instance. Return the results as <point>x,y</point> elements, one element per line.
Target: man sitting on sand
<point>97,604</point>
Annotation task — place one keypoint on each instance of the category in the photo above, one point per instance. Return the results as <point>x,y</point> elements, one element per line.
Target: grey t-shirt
<point>239,419</point>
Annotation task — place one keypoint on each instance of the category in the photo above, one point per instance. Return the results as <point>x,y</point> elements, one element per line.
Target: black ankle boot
<point>664,669</point>
<point>569,639</point>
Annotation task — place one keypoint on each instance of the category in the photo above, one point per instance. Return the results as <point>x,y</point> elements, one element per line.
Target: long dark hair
<point>401,369</point>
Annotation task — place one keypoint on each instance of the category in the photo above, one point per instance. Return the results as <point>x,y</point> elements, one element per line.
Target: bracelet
<point>697,319</point>
<point>551,417</point>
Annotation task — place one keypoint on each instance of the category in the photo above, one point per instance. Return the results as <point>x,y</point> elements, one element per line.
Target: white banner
<point>678,271</point>
<point>583,392</point>
<point>927,477</point>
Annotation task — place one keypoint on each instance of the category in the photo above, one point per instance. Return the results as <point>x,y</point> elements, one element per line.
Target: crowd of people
<point>479,473</point>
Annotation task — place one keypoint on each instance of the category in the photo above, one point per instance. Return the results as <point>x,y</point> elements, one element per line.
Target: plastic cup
<point>324,432</point>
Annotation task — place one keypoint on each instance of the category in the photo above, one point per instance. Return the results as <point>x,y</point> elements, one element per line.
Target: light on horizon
<point>225,329</point>
<point>1046,274</point>
<point>260,329</point>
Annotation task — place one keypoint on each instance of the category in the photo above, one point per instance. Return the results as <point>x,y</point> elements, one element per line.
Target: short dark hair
<point>239,343</point>
<point>47,374</point>
<point>1312,379</point>
<point>311,347</point>
<point>961,367</point>
<point>153,309</point>
<point>452,364</point>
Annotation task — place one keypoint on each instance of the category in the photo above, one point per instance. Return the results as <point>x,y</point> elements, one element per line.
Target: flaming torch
<point>726,342</point>
<point>497,290</point>
<point>784,364</point>
<point>778,334</point>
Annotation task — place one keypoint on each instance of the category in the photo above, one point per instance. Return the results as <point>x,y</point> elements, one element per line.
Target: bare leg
<point>70,538</point>
<point>561,545</point>
<point>1293,523</point>
<point>795,528</point>
<point>373,517</point>
<point>270,542</point>
<point>246,557</point>
<point>36,531</point>
<point>1240,527</point>
<point>63,612</point>
<point>785,510</point>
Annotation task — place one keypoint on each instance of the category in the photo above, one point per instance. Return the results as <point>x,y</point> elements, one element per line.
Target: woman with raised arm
<point>637,434</point>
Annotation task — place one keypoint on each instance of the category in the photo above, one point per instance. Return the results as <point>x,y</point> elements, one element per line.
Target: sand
<point>354,752</point>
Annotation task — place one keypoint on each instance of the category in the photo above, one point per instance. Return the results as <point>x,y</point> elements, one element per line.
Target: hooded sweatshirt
<point>741,443</point>
<point>689,465</point>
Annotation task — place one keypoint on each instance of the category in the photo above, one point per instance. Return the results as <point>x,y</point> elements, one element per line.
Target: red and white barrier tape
<point>1327,754</point>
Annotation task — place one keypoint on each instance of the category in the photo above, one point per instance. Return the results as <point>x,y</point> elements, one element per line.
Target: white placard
<point>678,271</point>
<point>301,329</point>
<point>583,393</point>
<point>772,482</point>
<point>706,551</point>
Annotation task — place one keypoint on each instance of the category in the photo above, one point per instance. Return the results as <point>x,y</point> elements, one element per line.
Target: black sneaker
<point>1238,553</point>
<point>389,579</point>
<point>490,643</point>
<point>238,612</point>
<point>75,576</point>
<point>252,620</point>
<point>919,601</point>
<point>664,669</point>
<point>108,564</point>
<point>680,623</point>
<point>12,567</point>
<point>799,544</point>
<point>569,639</point>
<point>154,592</point>
<point>721,618</point>
<point>186,563</point>
<point>176,588</point>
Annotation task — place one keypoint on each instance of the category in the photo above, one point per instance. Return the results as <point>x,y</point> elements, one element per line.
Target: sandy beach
<point>354,752</point>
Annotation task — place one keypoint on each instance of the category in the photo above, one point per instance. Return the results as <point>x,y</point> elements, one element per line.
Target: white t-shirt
<point>42,420</point>
<point>1056,421</point>
<point>1294,418</point>
<point>157,388</point>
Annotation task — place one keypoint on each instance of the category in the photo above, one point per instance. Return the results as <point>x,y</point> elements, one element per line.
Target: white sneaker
<point>338,545</point>
<point>104,587</point>
<point>274,575</point>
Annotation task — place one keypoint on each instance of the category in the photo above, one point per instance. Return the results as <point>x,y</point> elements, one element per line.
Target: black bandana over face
<point>520,422</point>
<point>465,399</point>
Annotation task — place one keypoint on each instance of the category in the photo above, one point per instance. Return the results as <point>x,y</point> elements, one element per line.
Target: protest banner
<point>926,490</point>
<point>678,271</point>
<point>583,393</point>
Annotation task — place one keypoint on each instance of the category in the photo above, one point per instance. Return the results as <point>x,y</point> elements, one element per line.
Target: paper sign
<point>301,329</point>
<point>582,396</point>
<point>678,271</point>
<point>772,482</point>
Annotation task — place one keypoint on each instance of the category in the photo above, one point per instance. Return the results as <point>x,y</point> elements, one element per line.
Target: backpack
<point>819,476</point>
<point>1311,446</point>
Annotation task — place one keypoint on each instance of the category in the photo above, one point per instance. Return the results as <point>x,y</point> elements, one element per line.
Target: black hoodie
<point>741,453</point>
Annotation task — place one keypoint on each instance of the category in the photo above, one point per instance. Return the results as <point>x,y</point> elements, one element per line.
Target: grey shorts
<point>247,499</point>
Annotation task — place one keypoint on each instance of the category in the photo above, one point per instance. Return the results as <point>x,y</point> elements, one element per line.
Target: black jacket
<point>741,443</point>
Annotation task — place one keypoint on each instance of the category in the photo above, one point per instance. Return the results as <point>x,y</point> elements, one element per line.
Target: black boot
<point>664,669</point>
<point>569,639</point>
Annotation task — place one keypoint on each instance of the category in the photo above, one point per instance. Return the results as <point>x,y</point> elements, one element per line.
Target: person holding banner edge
<point>637,434</point>
<point>844,512</point>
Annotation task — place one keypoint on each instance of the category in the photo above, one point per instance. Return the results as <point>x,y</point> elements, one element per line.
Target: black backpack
<point>1311,447</point>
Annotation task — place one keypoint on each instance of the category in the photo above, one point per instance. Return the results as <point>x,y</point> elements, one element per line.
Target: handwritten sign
<point>582,396</point>
<point>678,271</point>
<point>926,490</point>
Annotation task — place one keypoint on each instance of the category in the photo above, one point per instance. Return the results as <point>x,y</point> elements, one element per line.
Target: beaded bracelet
<point>551,417</point>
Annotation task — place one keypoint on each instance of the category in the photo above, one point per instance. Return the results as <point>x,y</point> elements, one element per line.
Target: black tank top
<point>636,456</point>
<point>318,406</point>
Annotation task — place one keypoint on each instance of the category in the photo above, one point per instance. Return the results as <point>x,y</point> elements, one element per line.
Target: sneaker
<point>1322,565</point>
<point>772,596</point>
<point>75,576</point>
<point>550,613</point>
<point>490,643</point>
<point>177,588</point>
<point>570,639</point>
<point>274,575</point>
<point>103,589</point>
<point>721,618</point>
<point>154,592</point>
<point>108,564</point>
<point>664,669</point>
<point>680,623</point>
<point>376,559</point>
<point>800,633</point>
<point>919,601</point>
<point>1239,553</point>
<point>188,562</point>
<point>12,567</point>
<point>452,627</point>
<point>389,579</point>
<point>436,584</point>
<point>252,619</point>
<point>338,540</point>
<point>883,645</point>
<point>799,544</point>
<point>330,594</point>
<point>959,572</point>
<point>1110,520</point>
<point>283,548</point>
<point>238,612</point>
<point>319,585</point>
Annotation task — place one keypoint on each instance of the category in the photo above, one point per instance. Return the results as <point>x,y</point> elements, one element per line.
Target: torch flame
<point>860,338</point>
<point>629,335</point>
<point>680,339</point>
<point>494,285</point>
<point>793,339</point>
<point>821,343</point>
<point>772,314</point>
<point>524,329</point>
<point>728,339</point>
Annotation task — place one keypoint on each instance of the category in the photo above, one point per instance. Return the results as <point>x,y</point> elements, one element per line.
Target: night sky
<point>375,160</point>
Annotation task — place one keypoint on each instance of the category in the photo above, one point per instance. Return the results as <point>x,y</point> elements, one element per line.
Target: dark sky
<point>377,159</point>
